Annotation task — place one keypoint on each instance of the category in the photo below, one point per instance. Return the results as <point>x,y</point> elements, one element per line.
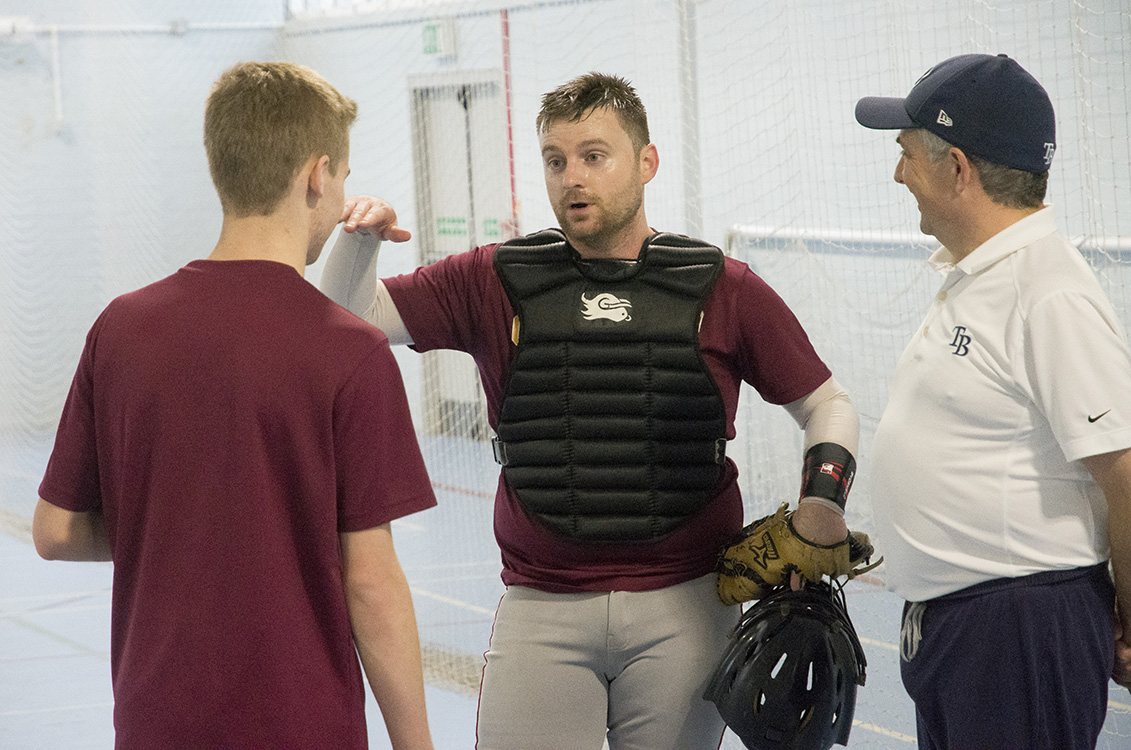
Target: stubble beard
<point>600,231</point>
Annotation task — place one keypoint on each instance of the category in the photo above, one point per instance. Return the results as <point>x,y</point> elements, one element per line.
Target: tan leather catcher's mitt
<point>770,549</point>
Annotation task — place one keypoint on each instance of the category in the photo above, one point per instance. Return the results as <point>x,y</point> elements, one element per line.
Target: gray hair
<point>1013,188</point>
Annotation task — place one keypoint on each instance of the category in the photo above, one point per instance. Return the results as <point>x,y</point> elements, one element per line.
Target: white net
<point>750,104</point>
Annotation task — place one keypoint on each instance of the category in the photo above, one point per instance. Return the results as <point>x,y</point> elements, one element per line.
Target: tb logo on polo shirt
<point>961,342</point>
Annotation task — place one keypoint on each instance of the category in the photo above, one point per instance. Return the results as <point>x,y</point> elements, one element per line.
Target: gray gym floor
<point>55,621</point>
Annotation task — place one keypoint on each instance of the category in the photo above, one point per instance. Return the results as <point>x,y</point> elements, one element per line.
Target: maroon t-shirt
<point>748,334</point>
<point>230,421</point>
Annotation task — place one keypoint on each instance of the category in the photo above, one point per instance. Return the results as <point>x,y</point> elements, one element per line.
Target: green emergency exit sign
<point>439,38</point>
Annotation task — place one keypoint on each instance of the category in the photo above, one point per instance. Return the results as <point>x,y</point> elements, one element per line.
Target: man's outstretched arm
<point>350,275</point>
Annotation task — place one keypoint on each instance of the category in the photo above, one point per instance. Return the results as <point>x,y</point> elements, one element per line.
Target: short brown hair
<point>262,122</point>
<point>1013,188</point>
<point>574,100</point>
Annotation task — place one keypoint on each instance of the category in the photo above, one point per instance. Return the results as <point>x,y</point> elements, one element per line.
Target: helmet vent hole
<point>809,682</point>
<point>778,666</point>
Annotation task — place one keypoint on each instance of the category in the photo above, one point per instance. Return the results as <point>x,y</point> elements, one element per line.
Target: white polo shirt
<point>1019,370</point>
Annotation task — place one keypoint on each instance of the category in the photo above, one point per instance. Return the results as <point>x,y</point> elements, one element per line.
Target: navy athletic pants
<point>1012,663</point>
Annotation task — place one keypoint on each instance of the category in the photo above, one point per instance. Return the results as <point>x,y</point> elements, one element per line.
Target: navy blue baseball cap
<point>986,105</point>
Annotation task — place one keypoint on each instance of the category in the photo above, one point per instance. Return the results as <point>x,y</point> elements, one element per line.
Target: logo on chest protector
<point>606,306</point>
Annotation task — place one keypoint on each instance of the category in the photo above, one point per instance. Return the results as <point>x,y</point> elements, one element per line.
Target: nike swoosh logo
<point>1097,418</point>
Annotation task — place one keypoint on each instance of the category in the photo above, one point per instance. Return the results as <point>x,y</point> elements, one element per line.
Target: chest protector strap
<point>611,426</point>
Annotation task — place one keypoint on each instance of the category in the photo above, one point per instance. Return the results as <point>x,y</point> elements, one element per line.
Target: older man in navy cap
<point>1002,464</point>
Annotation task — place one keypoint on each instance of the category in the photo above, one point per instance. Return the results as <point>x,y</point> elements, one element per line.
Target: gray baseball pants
<point>564,668</point>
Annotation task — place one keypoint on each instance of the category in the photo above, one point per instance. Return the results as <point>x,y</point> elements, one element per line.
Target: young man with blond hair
<point>226,443</point>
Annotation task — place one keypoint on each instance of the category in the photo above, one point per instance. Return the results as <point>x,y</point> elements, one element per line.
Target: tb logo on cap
<point>1050,148</point>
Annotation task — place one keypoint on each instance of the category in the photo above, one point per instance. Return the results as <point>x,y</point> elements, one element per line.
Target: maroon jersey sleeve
<point>767,343</point>
<point>71,479</point>
<point>458,303</point>
<point>447,305</point>
<point>380,470</point>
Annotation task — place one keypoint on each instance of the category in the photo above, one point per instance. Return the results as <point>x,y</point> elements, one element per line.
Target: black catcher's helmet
<point>788,679</point>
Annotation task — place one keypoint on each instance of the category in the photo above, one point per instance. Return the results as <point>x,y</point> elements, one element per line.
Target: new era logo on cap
<point>986,105</point>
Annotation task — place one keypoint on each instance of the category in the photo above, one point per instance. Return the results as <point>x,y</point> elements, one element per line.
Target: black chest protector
<point>611,426</point>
